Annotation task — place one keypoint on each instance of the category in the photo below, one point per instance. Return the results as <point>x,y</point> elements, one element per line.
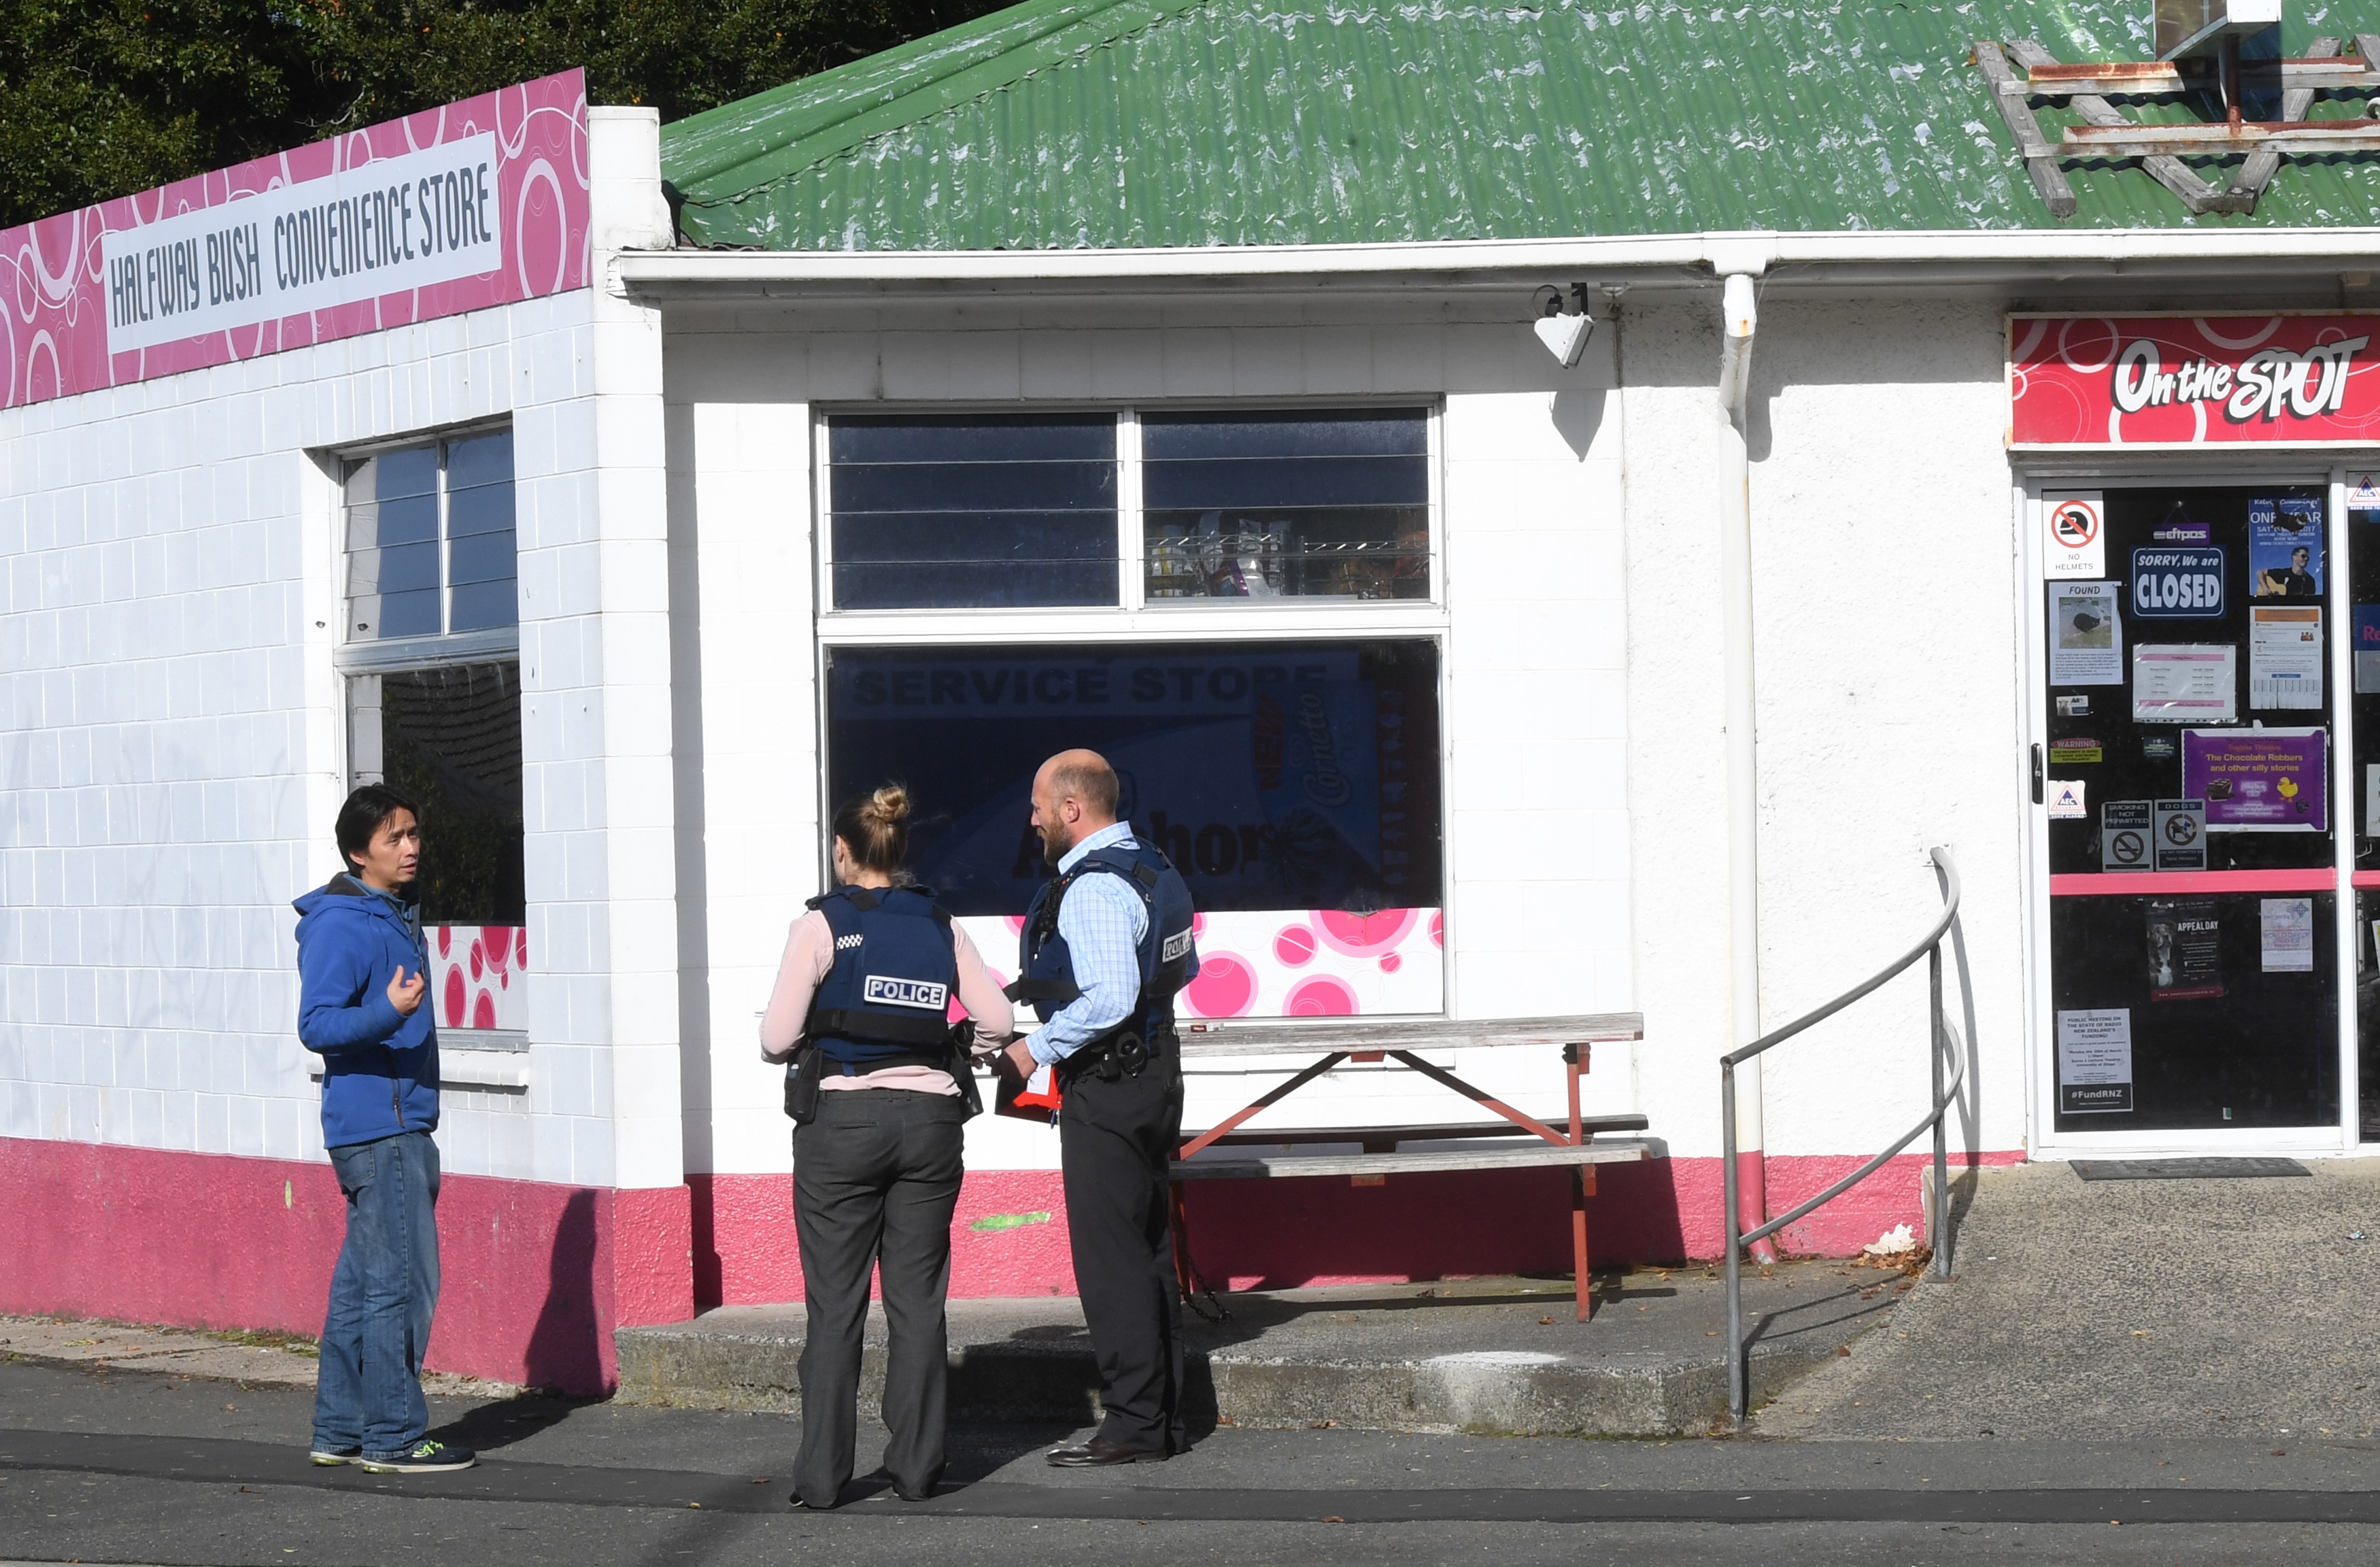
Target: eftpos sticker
<point>2127,830</point>
<point>2181,834</point>
<point>2075,534</point>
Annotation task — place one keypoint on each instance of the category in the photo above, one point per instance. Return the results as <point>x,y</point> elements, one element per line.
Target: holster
<point>802,1082</point>
<point>802,1076</point>
<point>962,1068</point>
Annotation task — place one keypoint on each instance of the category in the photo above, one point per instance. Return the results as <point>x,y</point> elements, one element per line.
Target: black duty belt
<point>1120,1055</point>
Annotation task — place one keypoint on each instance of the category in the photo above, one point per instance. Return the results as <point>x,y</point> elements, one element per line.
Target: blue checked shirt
<point>1101,921</point>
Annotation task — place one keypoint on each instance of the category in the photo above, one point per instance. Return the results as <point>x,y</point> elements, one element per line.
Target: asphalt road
<point>125,1467</point>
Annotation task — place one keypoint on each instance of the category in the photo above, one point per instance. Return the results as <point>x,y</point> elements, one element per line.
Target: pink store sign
<point>482,203</point>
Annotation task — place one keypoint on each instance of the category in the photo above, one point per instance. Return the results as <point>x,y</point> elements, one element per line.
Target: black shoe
<point>1098,1452</point>
<point>332,1457</point>
<point>424,1457</point>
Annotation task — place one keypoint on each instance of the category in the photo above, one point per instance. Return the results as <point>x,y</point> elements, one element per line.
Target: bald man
<point>1105,947</point>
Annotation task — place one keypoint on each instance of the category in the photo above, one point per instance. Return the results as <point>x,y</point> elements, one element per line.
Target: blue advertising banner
<point>1275,776</point>
<point>2174,584</point>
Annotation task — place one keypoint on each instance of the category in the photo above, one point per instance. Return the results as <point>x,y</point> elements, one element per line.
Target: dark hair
<point>362,816</point>
<point>875,828</point>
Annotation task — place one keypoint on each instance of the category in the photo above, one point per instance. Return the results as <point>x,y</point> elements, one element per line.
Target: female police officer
<point>879,1090</point>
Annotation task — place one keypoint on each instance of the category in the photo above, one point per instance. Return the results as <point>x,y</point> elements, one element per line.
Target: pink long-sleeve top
<point>809,958</point>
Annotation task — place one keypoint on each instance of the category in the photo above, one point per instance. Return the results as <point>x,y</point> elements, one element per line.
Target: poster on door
<point>2094,1061</point>
<point>2258,779</point>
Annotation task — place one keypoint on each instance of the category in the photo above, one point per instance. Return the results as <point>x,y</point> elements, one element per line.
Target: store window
<point>429,538</point>
<point>1316,504</point>
<point>1295,785</point>
<point>434,704</point>
<point>932,511</point>
<point>2189,710</point>
<point>1023,511</point>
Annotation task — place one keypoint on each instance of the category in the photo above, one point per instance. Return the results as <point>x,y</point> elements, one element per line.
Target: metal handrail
<point>1945,1095</point>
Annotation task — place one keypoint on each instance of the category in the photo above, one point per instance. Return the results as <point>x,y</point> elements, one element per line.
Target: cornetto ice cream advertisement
<point>2194,380</point>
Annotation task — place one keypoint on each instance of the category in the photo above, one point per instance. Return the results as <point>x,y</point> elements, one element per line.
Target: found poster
<point>2185,683</point>
<point>2185,950</point>
<point>2094,1061</point>
<point>2086,646</point>
<point>2285,656</point>
<point>2258,779</point>
<point>2284,548</point>
<point>2287,935</point>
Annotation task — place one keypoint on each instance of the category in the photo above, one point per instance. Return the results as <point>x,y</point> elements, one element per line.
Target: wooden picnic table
<point>1577,1144</point>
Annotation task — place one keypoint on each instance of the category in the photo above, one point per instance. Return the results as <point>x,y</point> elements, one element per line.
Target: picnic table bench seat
<point>1573,1141</point>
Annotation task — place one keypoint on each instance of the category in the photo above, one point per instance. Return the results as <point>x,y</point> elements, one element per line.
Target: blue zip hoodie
<point>380,1069</point>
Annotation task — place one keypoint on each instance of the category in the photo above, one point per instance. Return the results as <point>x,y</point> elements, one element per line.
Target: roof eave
<point>1674,259</point>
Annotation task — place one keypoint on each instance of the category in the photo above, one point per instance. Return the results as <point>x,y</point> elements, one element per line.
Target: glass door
<point>2183,755</point>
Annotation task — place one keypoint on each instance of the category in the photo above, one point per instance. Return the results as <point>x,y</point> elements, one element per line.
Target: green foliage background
<point>103,98</point>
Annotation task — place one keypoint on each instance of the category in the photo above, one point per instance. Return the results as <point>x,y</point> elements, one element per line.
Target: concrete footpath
<point>1480,1354</point>
<point>2116,1309</point>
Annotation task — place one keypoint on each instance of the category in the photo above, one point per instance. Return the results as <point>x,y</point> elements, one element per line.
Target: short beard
<point>1054,845</point>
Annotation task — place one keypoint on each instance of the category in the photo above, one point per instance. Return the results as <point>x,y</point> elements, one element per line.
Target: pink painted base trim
<point>535,1276</point>
<point>1010,1238</point>
<point>2160,884</point>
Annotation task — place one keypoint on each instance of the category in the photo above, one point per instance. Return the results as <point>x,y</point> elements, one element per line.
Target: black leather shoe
<point>1098,1452</point>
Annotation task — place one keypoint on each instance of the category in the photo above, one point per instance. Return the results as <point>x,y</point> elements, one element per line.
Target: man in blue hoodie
<point>361,982</point>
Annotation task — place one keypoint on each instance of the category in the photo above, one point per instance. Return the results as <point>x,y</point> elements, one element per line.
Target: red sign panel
<point>2194,380</point>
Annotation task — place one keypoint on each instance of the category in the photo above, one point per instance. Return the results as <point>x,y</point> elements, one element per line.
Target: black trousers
<point>876,1179</point>
<point>1115,1140</point>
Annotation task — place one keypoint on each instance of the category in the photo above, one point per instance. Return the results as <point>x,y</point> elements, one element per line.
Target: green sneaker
<point>325,1458</point>
<point>424,1457</point>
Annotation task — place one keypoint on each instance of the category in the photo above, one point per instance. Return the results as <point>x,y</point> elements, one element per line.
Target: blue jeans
<point>368,1393</point>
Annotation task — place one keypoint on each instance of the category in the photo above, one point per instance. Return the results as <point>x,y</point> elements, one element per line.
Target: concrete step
<point>1482,1355</point>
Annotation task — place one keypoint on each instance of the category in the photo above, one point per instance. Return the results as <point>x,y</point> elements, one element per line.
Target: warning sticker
<point>2125,834</point>
<point>2074,541</point>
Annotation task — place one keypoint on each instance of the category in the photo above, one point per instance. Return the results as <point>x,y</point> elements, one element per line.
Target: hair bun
<point>888,807</point>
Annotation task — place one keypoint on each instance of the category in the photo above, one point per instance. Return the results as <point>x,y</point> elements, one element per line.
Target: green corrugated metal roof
<point>1098,123</point>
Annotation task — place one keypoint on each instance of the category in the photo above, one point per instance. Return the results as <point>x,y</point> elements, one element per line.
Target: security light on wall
<point>1565,336</point>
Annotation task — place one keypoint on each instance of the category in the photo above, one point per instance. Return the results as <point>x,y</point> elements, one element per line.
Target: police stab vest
<point>1167,960</point>
<point>886,1002</point>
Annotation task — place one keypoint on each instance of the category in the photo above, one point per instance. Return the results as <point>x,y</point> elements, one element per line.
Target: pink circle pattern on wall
<point>475,975</point>
<point>1259,963</point>
<point>1226,986</point>
<point>1364,935</point>
<point>1321,996</point>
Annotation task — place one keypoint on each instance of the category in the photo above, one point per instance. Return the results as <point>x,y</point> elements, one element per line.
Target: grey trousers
<point>876,1179</point>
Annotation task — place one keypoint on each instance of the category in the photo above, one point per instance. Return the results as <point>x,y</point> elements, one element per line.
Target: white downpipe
<point>1740,320</point>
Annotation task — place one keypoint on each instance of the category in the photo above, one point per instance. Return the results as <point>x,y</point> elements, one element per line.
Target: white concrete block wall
<point>1878,489</point>
<point>1886,603</point>
<point>1534,714</point>
<point>172,736</point>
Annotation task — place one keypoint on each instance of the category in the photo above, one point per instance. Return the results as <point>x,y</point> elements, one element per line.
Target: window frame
<point>397,654</point>
<point>1132,562</point>
<point>352,660</point>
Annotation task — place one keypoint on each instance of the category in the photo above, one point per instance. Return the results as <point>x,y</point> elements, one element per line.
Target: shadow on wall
<point>1283,1234</point>
<point>564,1347</point>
